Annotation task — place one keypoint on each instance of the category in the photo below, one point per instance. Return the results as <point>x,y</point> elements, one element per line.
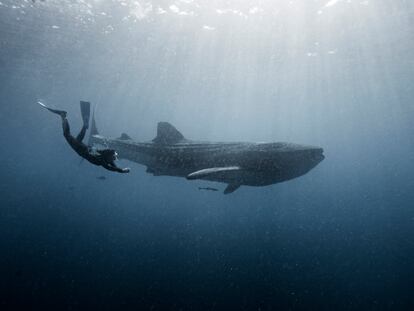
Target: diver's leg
<point>62,113</point>
<point>66,127</point>
<point>81,134</point>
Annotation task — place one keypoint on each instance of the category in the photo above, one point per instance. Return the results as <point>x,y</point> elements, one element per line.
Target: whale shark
<point>233,163</point>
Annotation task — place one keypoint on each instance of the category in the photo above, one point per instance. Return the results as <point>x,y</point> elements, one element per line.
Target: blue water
<point>335,74</point>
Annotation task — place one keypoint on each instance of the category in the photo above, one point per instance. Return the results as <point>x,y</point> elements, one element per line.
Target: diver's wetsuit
<point>103,157</point>
<point>86,152</point>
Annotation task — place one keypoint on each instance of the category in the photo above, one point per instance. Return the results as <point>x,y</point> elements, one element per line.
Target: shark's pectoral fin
<point>231,188</point>
<point>219,174</point>
<point>213,172</point>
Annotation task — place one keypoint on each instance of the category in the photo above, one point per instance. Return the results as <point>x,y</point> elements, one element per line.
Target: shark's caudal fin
<point>167,134</point>
<point>94,130</point>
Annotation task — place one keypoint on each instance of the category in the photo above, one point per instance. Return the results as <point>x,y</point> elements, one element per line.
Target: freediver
<point>104,157</point>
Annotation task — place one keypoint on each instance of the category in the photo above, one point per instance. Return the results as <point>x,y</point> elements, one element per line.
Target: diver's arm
<point>114,168</point>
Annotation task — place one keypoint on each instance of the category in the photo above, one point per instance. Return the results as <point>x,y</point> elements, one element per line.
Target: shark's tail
<point>94,130</point>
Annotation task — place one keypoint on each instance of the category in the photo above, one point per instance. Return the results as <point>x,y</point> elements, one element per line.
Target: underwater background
<point>337,74</point>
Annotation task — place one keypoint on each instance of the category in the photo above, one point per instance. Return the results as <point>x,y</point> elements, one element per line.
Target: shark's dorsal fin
<point>124,136</point>
<point>167,134</point>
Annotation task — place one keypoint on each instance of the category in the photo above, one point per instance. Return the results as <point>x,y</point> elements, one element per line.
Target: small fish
<point>207,188</point>
<point>101,177</point>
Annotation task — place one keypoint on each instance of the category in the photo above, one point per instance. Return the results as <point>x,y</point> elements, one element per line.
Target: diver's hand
<point>126,170</point>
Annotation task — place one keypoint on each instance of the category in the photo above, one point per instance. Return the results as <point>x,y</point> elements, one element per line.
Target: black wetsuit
<point>104,157</point>
<point>86,152</point>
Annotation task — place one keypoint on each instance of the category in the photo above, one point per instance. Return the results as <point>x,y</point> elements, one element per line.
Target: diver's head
<point>109,155</point>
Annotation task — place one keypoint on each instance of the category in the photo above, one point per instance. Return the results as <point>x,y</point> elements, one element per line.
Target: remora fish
<point>207,188</point>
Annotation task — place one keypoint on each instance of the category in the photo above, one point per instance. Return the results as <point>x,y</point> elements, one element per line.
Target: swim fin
<point>62,113</point>
<point>86,112</point>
